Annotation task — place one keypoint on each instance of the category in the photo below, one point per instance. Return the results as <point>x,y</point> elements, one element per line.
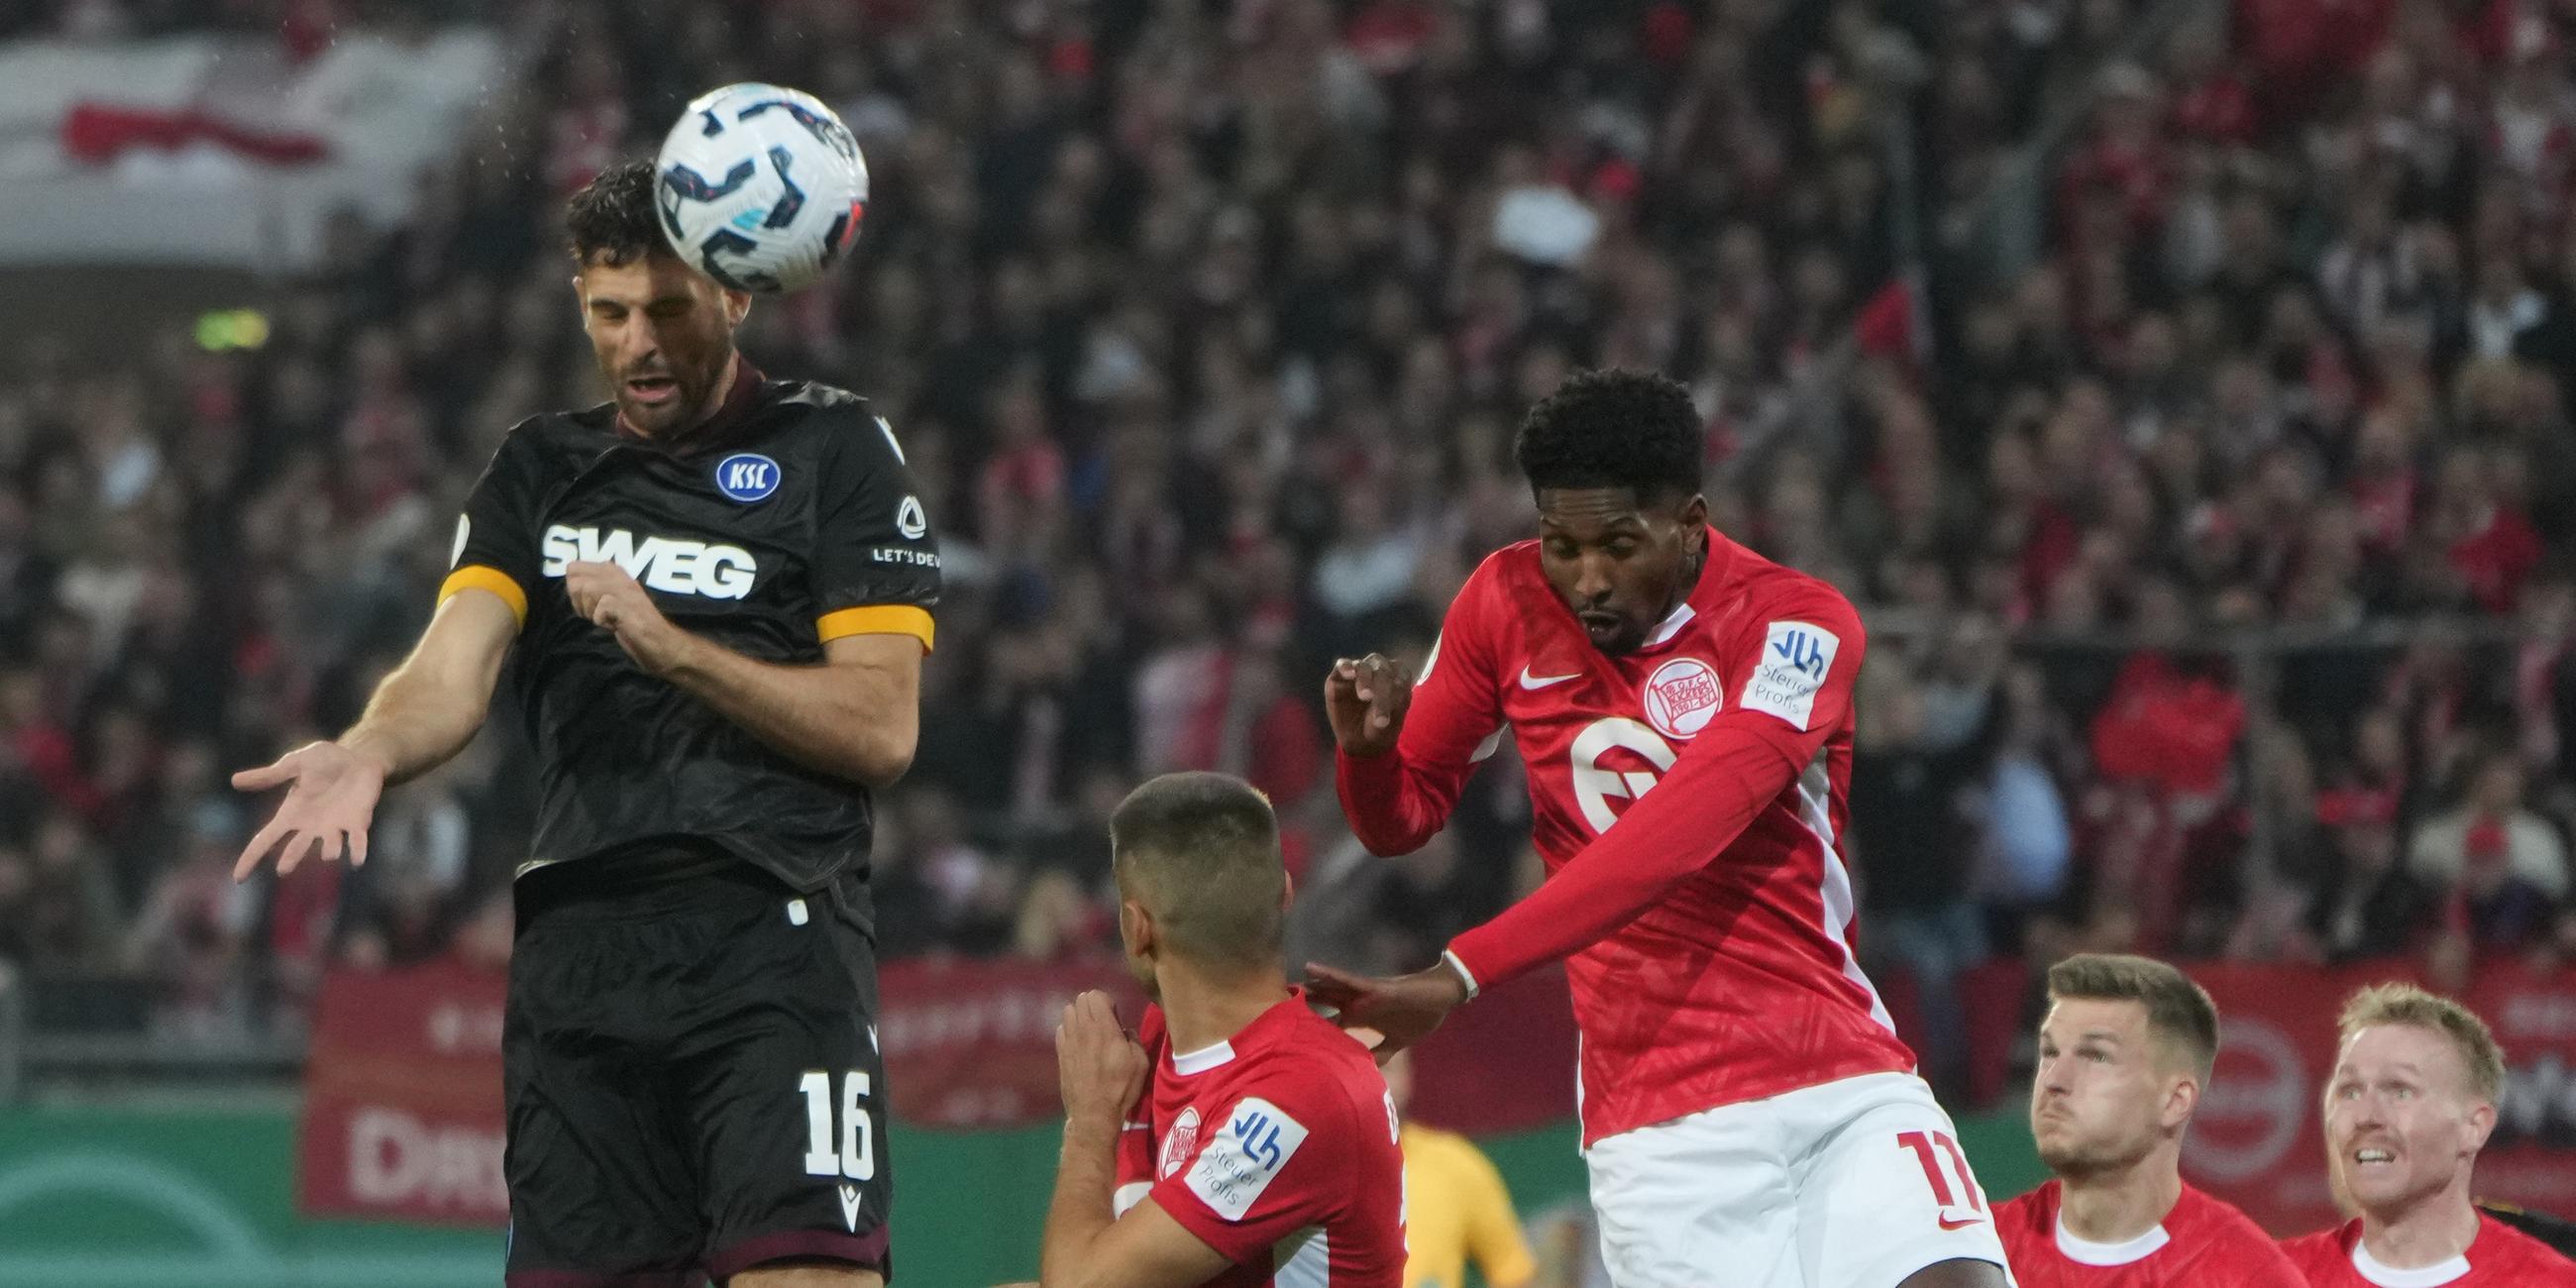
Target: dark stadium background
<point>2179,386</point>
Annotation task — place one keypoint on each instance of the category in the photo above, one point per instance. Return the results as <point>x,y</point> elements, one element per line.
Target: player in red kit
<point>2410,1102</point>
<point>2124,1055</point>
<point>1746,1103</point>
<point>1264,1151</point>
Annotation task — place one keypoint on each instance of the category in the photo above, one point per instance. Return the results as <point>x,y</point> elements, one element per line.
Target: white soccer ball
<point>760,186</point>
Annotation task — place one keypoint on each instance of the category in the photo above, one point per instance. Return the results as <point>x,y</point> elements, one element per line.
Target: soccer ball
<point>760,186</point>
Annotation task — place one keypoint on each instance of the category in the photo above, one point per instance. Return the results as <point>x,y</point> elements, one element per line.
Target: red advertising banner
<point>402,1097</point>
<point>2258,1139</point>
<point>971,1043</point>
<point>402,1101</point>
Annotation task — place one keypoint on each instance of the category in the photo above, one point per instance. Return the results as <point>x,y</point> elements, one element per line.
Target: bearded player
<point>1746,1103</point>
<point>719,588</point>
<point>2124,1056</point>
<point>2410,1102</point>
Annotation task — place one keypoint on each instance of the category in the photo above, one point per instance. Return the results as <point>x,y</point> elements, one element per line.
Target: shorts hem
<point>598,1279</point>
<point>1893,1268</point>
<point>865,1251</point>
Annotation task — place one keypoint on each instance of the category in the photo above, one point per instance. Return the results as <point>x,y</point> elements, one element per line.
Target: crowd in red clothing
<point>1205,328</point>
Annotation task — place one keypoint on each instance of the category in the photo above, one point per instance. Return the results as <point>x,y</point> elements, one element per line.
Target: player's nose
<point>1592,580</point>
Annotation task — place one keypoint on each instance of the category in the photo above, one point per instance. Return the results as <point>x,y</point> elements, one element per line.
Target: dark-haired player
<point>2124,1055</point>
<point>1746,1103</point>
<point>719,585</point>
<point>1240,1141</point>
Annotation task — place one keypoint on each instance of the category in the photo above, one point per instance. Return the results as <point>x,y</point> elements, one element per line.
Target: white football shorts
<point>1852,1184</point>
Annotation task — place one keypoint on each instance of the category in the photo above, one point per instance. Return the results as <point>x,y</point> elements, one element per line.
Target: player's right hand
<point>331,795</point>
<point>1101,1070</point>
<point>1366,699</point>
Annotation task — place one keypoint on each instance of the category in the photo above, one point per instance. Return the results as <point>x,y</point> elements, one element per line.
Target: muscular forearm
<point>415,723</point>
<point>849,720</point>
<point>1081,1211</point>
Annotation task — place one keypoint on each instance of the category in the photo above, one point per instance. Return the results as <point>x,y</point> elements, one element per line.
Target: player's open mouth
<point>2373,1155</point>
<point>1600,624</point>
<point>652,389</point>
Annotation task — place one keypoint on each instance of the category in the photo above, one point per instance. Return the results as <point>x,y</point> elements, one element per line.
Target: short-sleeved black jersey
<point>786,520</point>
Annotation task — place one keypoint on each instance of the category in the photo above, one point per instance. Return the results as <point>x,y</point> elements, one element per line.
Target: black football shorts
<point>693,1081</point>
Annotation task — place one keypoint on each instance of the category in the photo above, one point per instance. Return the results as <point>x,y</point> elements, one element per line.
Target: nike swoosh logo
<point>1529,681</point>
<point>1961,1222</point>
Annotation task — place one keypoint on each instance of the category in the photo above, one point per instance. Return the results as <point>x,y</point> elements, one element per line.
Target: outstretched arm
<point>422,714</point>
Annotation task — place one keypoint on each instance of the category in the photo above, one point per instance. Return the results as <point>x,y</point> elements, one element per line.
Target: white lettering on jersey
<point>1594,786</point>
<point>1790,672</point>
<point>672,565</point>
<point>1258,1140</point>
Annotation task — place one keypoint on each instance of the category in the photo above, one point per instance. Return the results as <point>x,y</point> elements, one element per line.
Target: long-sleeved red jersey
<point>1708,934</point>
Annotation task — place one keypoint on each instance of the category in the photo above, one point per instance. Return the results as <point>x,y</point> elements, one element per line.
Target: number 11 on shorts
<point>856,1158</point>
<point>1945,1169</point>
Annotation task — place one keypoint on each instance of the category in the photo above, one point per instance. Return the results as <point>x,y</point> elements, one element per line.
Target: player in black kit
<point>720,586</point>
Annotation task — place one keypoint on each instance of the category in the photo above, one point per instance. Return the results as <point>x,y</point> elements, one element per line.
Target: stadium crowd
<point>1205,328</point>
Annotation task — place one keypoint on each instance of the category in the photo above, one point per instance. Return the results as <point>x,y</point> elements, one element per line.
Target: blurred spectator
<point>2369,904</point>
<point>1911,834</point>
<point>2500,867</point>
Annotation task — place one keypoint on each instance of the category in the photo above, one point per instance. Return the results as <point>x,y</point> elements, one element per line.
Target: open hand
<point>1401,1010</point>
<point>331,795</point>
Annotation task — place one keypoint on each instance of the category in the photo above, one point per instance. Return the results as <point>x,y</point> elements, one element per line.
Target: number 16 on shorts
<point>855,1157</point>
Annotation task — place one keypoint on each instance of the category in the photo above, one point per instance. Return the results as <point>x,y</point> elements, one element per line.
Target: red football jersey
<point>2500,1257</point>
<point>1276,1147</point>
<point>2202,1243</point>
<point>1708,935</point>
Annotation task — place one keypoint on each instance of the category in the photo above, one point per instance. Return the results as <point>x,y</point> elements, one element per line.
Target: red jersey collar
<point>1250,1037</point>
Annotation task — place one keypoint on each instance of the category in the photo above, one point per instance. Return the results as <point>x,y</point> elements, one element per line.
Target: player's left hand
<point>1100,1068</point>
<point>1401,1010</point>
<point>605,595</point>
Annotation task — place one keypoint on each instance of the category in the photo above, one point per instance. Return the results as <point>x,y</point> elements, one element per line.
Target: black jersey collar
<point>738,399</point>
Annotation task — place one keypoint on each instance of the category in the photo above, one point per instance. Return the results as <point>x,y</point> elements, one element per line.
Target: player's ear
<point>1694,516</point>
<point>2479,1124</point>
<point>737,305</point>
<point>2180,1100</point>
<point>1136,928</point>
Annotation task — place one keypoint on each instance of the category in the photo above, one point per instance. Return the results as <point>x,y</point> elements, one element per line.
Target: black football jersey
<point>786,520</point>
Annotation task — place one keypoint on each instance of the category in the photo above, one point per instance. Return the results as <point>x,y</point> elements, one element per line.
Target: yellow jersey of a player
<point>1456,1208</point>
